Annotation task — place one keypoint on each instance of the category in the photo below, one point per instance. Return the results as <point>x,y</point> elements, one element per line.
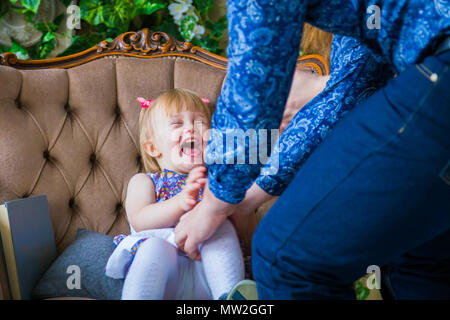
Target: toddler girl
<point>172,145</point>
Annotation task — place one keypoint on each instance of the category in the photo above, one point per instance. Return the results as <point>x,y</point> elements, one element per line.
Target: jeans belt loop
<point>443,46</point>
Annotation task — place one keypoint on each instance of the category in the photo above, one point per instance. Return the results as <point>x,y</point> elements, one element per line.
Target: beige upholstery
<point>73,134</point>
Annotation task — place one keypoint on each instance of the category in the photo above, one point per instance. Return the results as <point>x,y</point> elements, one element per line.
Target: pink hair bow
<point>144,102</point>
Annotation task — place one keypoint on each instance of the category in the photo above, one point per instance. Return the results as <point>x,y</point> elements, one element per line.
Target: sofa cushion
<point>73,134</point>
<point>90,251</point>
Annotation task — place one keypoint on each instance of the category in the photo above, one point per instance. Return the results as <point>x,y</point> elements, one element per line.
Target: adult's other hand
<point>201,222</point>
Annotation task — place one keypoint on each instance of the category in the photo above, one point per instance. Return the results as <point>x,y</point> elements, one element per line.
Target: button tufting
<point>117,110</point>
<point>46,154</point>
<point>68,109</point>
<point>93,158</point>
<point>71,202</point>
<point>119,206</point>
<point>18,105</point>
<point>26,195</point>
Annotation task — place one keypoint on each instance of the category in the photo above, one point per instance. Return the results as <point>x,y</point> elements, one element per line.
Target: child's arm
<point>144,212</point>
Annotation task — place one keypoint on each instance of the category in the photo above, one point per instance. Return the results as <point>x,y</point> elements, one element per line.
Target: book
<point>28,243</point>
<point>4,287</point>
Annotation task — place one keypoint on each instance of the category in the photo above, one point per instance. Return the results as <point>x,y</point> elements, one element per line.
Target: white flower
<point>177,10</point>
<point>198,30</point>
<point>191,12</point>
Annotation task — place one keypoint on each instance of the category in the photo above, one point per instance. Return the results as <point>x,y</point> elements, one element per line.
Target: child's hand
<point>196,179</point>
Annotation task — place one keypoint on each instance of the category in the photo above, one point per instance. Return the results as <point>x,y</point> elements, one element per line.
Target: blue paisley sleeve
<point>355,75</point>
<point>262,53</point>
<point>264,41</point>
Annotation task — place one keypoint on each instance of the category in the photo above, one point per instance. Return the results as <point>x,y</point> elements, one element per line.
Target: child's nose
<point>188,127</point>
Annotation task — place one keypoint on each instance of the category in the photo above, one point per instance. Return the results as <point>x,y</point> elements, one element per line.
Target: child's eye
<point>200,122</point>
<point>176,123</point>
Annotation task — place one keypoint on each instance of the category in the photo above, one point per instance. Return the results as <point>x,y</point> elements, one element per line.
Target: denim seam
<point>422,102</point>
<point>393,137</point>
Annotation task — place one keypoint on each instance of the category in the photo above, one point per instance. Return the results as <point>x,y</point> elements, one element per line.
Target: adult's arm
<point>264,40</point>
<point>262,54</point>
<point>355,75</point>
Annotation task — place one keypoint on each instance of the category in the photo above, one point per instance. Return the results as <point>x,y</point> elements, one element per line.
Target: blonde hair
<point>170,102</point>
<point>316,41</point>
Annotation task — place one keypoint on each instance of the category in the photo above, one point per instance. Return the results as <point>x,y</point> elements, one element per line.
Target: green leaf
<point>216,28</point>
<point>119,15</point>
<point>4,49</point>
<point>43,27</point>
<point>168,26</point>
<point>46,47</point>
<point>59,19</point>
<point>4,8</point>
<point>19,10</point>
<point>29,16</point>
<point>93,11</point>
<point>31,5</point>
<point>207,43</point>
<point>33,51</point>
<point>203,6</point>
<point>20,51</point>
<point>362,292</point>
<point>146,7</point>
<point>13,1</point>
<point>81,43</point>
<point>66,2</point>
<point>49,36</point>
<point>187,26</point>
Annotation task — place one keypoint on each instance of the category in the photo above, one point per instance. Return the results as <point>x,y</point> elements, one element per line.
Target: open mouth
<point>191,148</point>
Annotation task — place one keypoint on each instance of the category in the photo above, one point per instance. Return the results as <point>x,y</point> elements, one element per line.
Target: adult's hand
<point>201,222</point>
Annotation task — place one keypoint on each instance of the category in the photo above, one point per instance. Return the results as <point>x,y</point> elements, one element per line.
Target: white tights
<point>158,271</point>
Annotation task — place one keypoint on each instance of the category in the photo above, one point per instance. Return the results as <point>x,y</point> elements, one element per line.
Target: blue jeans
<point>375,192</point>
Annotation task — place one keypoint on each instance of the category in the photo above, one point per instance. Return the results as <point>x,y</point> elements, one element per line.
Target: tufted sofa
<point>69,126</point>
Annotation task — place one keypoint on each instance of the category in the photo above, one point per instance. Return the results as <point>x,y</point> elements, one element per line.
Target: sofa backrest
<point>69,127</point>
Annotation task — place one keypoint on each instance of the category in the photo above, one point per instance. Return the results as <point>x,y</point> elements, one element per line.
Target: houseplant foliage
<point>186,20</point>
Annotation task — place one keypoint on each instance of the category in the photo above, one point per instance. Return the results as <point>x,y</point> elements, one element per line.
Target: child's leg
<point>222,260</point>
<point>153,273</point>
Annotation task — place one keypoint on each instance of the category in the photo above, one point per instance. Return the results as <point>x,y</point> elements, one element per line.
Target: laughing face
<point>179,140</point>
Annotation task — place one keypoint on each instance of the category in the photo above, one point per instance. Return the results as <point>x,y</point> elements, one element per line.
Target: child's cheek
<point>175,134</point>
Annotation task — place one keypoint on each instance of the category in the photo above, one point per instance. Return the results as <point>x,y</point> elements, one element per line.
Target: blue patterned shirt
<point>355,75</point>
<point>262,52</point>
